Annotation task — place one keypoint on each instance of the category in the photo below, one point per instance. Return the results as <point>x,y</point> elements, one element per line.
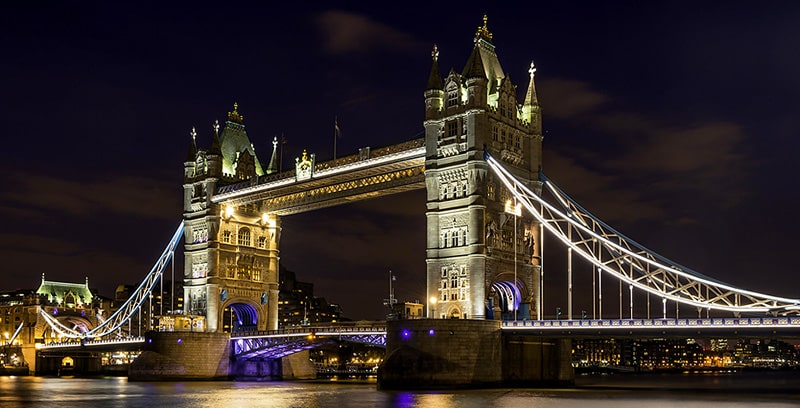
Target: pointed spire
<point>215,145</point>
<point>530,96</point>
<point>435,79</point>
<point>474,67</point>
<point>235,116</point>
<point>192,155</point>
<point>483,32</point>
<point>273,162</point>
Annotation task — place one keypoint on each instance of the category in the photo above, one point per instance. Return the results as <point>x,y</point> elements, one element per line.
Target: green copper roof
<point>64,292</point>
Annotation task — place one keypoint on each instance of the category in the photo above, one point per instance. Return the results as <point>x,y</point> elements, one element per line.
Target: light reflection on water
<point>751,390</point>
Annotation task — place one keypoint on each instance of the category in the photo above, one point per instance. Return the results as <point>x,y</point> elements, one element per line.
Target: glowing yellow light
<point>229,211</point>
<point>513,209</point>
<point>433,300</point>
<point>268,220</point>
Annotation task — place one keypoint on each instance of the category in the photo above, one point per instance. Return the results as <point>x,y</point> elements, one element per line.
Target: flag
<point>336,130</point>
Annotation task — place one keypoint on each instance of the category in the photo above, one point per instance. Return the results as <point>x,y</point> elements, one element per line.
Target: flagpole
<point>335,134</point>
<point>391,292</point>
<point>280,161</point>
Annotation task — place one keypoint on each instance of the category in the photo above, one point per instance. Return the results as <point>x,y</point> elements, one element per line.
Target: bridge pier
<point>68,363</point>
<point>171,356</point>
<point>537,361</point>
<point>295,366</point>
<point>432,353</point>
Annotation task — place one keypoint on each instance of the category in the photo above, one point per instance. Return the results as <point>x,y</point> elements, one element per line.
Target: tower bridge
<point>487,216</point>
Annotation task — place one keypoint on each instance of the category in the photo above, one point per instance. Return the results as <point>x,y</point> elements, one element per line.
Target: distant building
<point>297,305</point>
<point>22,326</point>
<point>408,310</point>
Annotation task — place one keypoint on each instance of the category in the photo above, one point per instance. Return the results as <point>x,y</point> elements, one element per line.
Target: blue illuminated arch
<point>509,296</point>
<point>245,317</point>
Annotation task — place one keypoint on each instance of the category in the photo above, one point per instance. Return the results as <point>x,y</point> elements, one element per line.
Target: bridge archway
<point>454,312</point>
<point>78,323</point>
<point>240,315</point>
<point>506,298</point>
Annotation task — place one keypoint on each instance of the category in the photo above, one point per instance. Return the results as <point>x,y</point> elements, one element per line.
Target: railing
<point>714,322</point>
<point>345,329</point>
<point>345,163</point>
<point>89,343</point>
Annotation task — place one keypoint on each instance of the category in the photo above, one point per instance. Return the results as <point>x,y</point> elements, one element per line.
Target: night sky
<point>678,123</point>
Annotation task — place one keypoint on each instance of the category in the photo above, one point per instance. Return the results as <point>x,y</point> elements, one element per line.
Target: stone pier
<point>170,356</point>
<point>431,354</point>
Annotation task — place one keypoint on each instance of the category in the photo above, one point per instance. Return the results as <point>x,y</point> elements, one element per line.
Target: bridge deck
<point>718,326</point>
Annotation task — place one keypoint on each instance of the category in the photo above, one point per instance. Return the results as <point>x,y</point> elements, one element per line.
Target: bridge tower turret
<point>482,260</point>
<point>434,93</point>
<point>231,248</point>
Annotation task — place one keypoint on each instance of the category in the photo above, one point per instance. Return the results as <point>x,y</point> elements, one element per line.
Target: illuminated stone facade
<point>475,247</point>
<point>231,251</point>
<point>471,239</point>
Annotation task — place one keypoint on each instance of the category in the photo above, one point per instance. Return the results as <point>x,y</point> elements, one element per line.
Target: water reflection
<point>761,390</point>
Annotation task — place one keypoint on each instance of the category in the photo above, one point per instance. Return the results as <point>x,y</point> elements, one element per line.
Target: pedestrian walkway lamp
<point>514,208</point>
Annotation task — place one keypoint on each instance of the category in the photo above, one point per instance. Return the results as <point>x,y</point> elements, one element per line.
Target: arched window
<point>244,237</point>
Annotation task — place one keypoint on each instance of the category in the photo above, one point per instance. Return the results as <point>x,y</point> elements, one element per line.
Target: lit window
<point>452,98</point>
<point>244,237</point>
<point>452,129</point>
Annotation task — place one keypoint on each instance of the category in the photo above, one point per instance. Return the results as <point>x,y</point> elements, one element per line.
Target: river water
<point>769,389</point>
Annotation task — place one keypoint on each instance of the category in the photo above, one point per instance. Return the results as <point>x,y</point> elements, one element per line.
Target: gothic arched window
<point>244,237</point>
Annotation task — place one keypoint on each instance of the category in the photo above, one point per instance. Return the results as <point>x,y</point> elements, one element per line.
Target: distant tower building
<point>231,251</point>
<point>472,241</point>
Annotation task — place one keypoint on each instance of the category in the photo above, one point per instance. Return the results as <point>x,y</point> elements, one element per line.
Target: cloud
<point>345,33</point>
<point>64,260</point>
<point>565,98</point>
<point>131,196</point>
<point>602,193</point>
<point>632,165</point>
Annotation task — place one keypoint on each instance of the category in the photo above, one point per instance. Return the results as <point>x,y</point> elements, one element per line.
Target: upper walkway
<point>370,173</point>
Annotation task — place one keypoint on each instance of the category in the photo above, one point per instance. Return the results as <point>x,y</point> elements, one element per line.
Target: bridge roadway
<point>279,343</point>
<point>644,328</point>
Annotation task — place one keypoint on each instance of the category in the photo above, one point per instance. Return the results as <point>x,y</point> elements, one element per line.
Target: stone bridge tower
<point>476,246</point>
<point>231,251</point>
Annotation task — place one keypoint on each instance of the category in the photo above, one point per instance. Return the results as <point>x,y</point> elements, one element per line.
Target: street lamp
<point>433,306</point>
<point>514,208</point>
